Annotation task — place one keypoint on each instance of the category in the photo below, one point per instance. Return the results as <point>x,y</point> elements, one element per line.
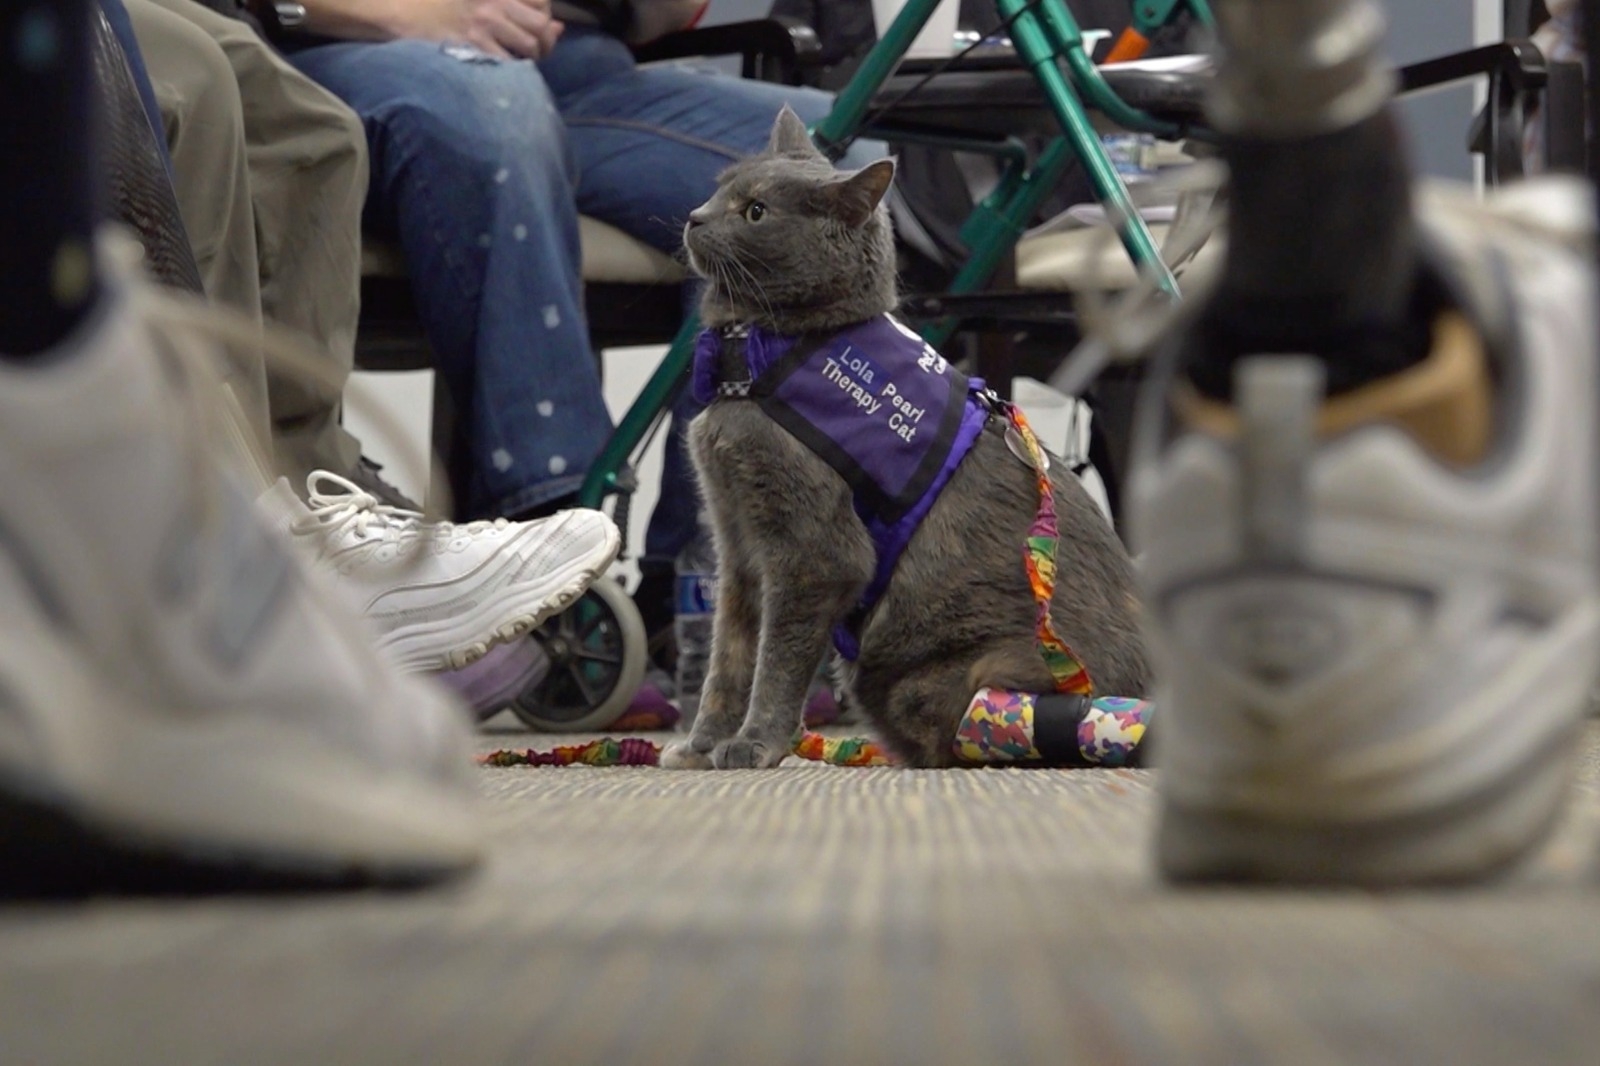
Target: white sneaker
<point>1372,663</point>
<point>179,706</point>
<point>440,595</point>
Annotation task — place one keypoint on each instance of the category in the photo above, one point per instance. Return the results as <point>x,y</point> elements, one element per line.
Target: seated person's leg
<point>204,122</point>
<point>307,163</point>
<point>679,126</point>
<point>446,609</point>
<point>471,174</point>
<point>200,108</point>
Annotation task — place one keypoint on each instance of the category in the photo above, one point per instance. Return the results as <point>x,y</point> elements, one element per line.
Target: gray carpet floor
<point>817,915</point>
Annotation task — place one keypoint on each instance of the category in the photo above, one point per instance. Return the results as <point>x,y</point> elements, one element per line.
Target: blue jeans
<point>479,169</point>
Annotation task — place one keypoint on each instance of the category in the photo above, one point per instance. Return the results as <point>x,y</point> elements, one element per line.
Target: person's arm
<point>518,28</point>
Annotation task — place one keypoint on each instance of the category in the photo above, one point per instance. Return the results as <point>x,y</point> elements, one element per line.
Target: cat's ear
<point>790,136</point>
<point>857,196</point>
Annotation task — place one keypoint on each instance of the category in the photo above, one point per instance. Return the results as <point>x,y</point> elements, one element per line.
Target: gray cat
<point>792,247</point>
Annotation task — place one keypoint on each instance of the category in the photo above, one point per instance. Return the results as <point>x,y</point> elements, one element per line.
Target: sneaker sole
<point>463,640</point>
<point>1479,835</point>
<point>47,852</point>
<point>105,796</point>
<point>1479,838</point>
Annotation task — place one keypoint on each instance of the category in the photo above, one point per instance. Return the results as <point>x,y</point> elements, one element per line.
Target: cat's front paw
<point>682,755</point>
<point>745,753</point>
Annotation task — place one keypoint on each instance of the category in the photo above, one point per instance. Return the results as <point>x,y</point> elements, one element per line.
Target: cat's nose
<point>697,217</point>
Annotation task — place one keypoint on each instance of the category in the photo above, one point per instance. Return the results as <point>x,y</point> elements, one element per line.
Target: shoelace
<point>350,508</point>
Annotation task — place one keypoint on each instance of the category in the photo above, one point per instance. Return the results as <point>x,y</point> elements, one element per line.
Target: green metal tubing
<point>601,480</point>
<point>1006,213</point>
<point>853,101</point>
<point>994,226</point>
<point>850,106</point>
<point>1105,100</point>
<point>1201,11</point>
<point>1035,49</point>
<point>1065,40</point>
<point>1151,15</point>
<point>1012,150</point>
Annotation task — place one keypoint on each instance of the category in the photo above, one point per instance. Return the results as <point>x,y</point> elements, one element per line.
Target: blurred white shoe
<point>180,707</point>
<point>1373,659</point>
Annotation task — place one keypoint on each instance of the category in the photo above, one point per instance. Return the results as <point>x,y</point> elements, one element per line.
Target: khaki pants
<point>271,174</point>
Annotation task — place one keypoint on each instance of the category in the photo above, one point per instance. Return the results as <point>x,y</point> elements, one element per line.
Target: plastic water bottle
<point>1133,154</point>
<point>696,598</point>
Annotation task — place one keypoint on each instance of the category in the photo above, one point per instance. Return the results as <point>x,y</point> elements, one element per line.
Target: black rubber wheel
<point>597,650</point>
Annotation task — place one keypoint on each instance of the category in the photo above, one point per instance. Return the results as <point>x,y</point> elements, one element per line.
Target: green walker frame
<point>1043,33</point>
<point>1049,43</point>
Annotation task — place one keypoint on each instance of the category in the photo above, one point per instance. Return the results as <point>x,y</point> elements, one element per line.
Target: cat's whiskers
<point>723,278</point>
<point>720,282</point>
<point>755,291</point>
<point>719,278</point>
<point>754,258</point>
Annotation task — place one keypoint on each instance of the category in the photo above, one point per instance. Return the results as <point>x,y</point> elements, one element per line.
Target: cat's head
<point>790,243</point>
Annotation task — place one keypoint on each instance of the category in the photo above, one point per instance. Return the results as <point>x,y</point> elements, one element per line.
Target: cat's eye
<point>755,212</point>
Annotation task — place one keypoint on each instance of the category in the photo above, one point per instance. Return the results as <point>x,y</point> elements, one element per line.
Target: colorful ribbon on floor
<point>1000,728</point>
<point>633,751</point>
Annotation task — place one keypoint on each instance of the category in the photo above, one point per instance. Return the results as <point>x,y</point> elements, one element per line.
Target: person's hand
<point>518,29</point>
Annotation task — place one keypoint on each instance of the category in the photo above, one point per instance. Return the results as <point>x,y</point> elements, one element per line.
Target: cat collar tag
<point>1020,450</point>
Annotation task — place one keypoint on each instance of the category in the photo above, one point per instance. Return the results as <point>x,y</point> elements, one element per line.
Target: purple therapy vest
<point>875,402</point>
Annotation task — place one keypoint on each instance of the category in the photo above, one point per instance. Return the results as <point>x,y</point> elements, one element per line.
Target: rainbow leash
<point>1039,558</point>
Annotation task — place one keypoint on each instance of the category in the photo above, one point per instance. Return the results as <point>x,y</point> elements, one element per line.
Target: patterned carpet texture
<point>820,915</point>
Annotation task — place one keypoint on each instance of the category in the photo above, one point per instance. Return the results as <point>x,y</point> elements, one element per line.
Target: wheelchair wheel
<point>597,650</point>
